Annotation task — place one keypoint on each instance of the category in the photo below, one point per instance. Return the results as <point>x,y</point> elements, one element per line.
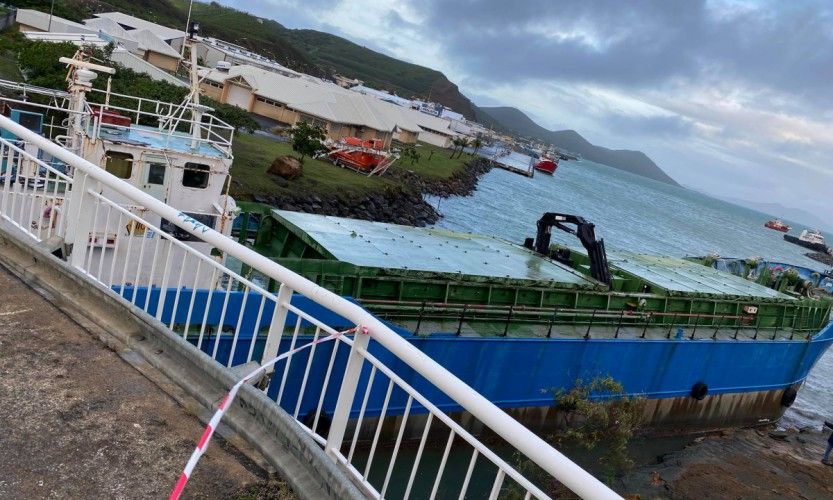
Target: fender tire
<point>699,391</point>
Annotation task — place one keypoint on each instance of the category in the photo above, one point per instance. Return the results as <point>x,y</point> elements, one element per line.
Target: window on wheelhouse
<point>156,173</point>
<point>119,164</point>
<point>195,175</point>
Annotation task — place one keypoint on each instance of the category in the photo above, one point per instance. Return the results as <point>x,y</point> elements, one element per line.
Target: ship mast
<point>81,76</point>
<point>196,126</point>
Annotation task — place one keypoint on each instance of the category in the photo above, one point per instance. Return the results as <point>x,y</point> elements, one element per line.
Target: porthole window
<point>195,175</point>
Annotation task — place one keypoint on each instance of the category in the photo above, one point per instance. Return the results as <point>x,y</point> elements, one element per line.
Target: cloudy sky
<point>729,97</point>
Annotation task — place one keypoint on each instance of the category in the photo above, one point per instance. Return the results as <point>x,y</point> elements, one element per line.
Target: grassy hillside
<point>515,121</point>
<point>337,55</point>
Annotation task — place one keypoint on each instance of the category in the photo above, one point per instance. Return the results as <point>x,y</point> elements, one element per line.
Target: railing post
<point>347,393</point>
<point>276,327</point>
<point>79,218</point>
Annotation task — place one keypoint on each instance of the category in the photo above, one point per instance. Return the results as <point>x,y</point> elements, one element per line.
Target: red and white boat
<point>362,155</point>
<point>777,225</point>
<point>546,164</point>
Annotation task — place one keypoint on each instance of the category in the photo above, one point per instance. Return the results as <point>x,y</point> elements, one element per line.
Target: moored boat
<point>809,238</point>
<point>777,225</point>
<point>546,164</point>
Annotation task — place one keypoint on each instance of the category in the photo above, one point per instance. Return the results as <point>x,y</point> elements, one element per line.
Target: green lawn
<point>434,162</point>
<point>254,154</point>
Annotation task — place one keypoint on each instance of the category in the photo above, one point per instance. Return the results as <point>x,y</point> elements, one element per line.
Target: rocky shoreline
<point>399,205</point>
<point>742,463</point>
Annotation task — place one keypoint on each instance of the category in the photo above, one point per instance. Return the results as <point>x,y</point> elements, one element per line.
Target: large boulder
<point>288,167</point>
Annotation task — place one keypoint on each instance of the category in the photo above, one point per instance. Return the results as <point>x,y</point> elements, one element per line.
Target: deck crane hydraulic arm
<point>585,231</point>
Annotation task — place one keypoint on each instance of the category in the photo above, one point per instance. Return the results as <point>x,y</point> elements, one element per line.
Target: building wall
<point>275,112</point>
<point>138,64</point>
<point>238,95</point>
<point>435,139</point>
<point>211,91</point>
<point>161,60</point>
<point>406,137</point>
<point>26,27</point>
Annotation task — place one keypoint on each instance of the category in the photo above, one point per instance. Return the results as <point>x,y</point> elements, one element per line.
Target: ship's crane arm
<point>586,233</point>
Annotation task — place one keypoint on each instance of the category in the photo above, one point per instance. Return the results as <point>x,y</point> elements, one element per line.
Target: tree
<point>476,143</point>
<point>410,153</point>
<point>307,140</point>
<point>459,143</point>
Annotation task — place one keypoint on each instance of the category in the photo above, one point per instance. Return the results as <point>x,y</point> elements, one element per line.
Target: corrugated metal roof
<point>136,23</point>
<point>391,246</point>
<point>148,40</point>
<point>678,275</point>
<point>324,100</point>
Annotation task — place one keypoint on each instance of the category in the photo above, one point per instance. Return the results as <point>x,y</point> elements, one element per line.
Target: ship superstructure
<point>179,153</point>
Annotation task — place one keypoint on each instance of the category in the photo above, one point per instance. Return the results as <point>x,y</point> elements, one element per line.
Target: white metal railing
<point>342,393</point>
<point>169,118</point>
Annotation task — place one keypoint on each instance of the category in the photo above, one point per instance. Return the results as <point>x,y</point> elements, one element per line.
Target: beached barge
<point>704,347</point>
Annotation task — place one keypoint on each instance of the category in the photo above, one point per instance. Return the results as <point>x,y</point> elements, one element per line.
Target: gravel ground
<point>76,421</point>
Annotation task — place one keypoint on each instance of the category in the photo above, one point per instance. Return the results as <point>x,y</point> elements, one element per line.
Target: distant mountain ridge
<point>516,121</point>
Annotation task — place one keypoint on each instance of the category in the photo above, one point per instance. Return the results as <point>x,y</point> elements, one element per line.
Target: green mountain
<point>515,121</point>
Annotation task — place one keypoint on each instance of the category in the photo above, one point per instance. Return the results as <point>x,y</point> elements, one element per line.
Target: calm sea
<point>637,214</point>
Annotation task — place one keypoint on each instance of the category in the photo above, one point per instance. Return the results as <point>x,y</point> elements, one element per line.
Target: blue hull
<point>519,374</point>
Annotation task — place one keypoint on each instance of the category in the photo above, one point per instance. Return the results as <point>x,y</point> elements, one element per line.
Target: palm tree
<point>459,142</point>
<point>477,143</point>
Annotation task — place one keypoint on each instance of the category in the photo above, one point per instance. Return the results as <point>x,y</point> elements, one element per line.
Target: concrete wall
<point>161,60</point>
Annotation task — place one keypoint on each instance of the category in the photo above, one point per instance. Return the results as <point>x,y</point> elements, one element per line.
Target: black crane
<point>586,233</point>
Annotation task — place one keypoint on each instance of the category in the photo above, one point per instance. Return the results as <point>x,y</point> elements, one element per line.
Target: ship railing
<point>167,118</point>
<point>352,394</point>
<point>801,321</point>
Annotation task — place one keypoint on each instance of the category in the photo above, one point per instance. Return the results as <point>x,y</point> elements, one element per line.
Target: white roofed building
<point>35,20</point>
<point>341,113</point>
<point>213,51</point>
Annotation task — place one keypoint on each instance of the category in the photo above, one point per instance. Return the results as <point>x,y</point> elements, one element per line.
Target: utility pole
<point>51,9</point>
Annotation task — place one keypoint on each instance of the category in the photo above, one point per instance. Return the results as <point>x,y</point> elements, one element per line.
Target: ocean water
<point>637,214</point>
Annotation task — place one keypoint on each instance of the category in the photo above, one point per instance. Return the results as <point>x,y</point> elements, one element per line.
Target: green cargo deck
<point>429,279</point>
<point>390,246</point>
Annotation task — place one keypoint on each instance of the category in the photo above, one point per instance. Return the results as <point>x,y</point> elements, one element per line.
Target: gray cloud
<point>729,95</point>
<point>637,44</point>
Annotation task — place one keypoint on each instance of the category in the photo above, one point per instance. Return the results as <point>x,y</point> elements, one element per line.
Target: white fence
<point>376,384</point>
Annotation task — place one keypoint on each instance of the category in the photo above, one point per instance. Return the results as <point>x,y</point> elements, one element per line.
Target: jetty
<point>496,160</point>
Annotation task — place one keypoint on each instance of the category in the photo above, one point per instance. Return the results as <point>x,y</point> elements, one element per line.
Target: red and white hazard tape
<point>202,445</point>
